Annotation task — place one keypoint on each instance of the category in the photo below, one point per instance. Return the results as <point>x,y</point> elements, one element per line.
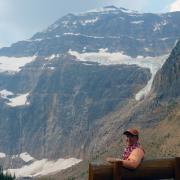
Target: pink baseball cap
<point>132,131</point>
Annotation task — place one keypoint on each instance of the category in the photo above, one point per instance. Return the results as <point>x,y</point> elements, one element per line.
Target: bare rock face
<point>167,81</point>
<point>66,103</point>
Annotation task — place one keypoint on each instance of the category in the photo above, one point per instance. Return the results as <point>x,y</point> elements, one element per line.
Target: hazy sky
<point>20,19</point>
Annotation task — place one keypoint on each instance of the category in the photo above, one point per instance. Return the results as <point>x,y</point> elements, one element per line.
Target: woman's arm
<point>134,159</point>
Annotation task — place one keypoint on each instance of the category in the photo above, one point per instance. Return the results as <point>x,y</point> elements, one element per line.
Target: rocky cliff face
<point>65,103</point>
<point>167,81</point>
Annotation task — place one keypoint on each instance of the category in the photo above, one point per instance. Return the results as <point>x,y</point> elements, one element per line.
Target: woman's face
<point>130,139</point>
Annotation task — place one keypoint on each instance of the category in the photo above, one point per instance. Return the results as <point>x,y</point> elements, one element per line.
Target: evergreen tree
<point>5,176</point>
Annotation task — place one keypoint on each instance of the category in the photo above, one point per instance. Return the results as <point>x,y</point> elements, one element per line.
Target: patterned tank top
<point>128,150</point>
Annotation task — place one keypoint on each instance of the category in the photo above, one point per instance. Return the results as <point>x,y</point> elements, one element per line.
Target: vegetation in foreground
<point>5,176</point>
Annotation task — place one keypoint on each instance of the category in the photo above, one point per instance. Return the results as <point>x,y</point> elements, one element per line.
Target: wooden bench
<point>149,169</point>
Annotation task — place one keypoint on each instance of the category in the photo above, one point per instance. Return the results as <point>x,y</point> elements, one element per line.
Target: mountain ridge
<point>152,35</point>
<point>167,81</point>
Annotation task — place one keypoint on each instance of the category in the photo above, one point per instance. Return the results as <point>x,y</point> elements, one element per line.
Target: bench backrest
<point>149,169</point>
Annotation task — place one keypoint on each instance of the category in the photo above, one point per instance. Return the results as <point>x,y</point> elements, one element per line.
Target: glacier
<point>103,57</point>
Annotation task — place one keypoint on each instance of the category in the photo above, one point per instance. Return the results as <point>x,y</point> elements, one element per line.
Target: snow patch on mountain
<point>52,56</point>
<point>106,58</point>
<point>14,64</point>
<point>2,155</point>
<point>19,100</point>
<point>43,167</point>
<point>89,21</point>
<point>5,93</point>
<point>65,23</point>
<point>147,49</point>
<point>26,157</point>
<point>136,22</point>
<point>34,168</point>
<point>30,40</point>
<point>158,26</point>
<point>51,68</point>
<point>78,34</point>
<point>164,39</point>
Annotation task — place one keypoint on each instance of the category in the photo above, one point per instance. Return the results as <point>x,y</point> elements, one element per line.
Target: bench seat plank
<point>149,169</point>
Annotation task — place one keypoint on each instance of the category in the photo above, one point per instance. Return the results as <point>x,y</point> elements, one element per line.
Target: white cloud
<point>175,6</point>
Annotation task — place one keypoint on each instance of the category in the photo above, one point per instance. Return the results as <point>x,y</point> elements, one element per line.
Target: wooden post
<point>90,172</point>
<point>177,168</point>
<point>117,166</point>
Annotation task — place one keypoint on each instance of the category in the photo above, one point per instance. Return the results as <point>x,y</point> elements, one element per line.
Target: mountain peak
<point>110,7</point>
<point>128,10</point>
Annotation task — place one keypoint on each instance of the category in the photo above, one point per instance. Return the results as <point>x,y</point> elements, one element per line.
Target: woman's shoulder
<point>139,151</point>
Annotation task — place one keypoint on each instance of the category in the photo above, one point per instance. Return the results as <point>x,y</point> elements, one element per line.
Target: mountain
<point>71,90</point>
<point>117,29</point>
